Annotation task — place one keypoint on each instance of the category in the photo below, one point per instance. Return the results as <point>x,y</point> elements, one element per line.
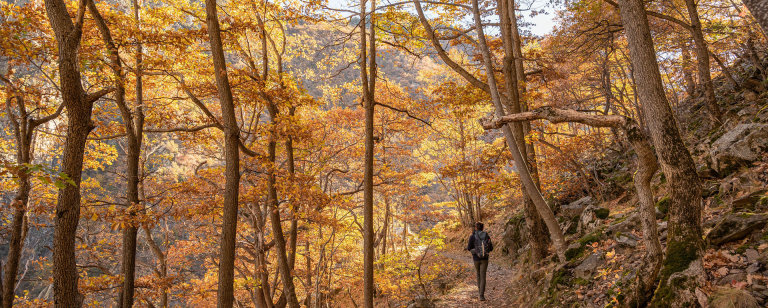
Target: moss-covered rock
<point>736,226</point>
<point>663,205</point>
<point>602,213</point>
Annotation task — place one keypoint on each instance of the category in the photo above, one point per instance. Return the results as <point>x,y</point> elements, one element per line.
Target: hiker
<point>480,245</point>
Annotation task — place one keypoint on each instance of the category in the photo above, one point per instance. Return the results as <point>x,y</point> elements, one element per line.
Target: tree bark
<point>683,267</point>
<point>368,80</point>
<point>759,10</point>
<point>690,84</point>
<point>225,296</point>
<point>79,108</point>
<point>702,57</point>
<point>525,175</point>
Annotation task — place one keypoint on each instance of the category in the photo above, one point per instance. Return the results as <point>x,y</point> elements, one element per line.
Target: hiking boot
<point>482,298</point>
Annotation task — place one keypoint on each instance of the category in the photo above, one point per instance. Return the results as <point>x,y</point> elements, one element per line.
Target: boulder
<point>749,201</point>
<point>587,268</point>
<point>588,221</point>
<point>627,239</point>
<point>735,226</point>
<point>727,280</point>
<point>577,207</point>
<point>751,255</point>
<point>515,235</point>
<point>631,223</point>
<point>742,144</point>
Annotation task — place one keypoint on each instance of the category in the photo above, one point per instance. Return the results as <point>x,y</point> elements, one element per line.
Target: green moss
<point>602,213</point>
<point>591,238</point>
<point>575,218</point>
<point>663,178</point>
<point>572,229</point>
<point>620,220</point>
<point>663,205</point>
<point>743,248</point>
<point>580,281</point>
<point>574,253</point>
<point>679,257</point>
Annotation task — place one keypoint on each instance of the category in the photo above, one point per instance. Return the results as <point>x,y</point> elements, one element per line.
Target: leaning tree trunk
<point>523,171</point>
<point>647,166</point>
<point>702,57</point>
<point>537,228</point>
<point>683,268</point>
<point>225,295</point>
<point>759,10</point>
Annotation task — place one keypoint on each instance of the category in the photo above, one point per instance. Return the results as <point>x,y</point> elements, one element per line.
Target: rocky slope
<point>605,237</point>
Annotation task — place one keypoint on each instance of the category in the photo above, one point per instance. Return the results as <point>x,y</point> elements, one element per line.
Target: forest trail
<point>464,294</point>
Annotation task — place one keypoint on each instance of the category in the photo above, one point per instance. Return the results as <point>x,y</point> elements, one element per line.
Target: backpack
<point>482,244</point>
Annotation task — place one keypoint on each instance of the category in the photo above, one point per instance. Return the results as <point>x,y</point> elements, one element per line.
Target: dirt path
<point>464,294</point>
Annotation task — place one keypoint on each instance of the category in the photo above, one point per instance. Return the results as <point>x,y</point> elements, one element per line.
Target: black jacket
<point>471,245</point>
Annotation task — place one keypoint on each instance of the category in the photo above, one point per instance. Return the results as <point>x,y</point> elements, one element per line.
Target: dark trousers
<point>481,267</point>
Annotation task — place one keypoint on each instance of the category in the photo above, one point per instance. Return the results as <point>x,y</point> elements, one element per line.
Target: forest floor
<point>464,293</point>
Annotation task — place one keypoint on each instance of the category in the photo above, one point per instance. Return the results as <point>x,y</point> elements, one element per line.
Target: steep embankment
<point>604,233</point>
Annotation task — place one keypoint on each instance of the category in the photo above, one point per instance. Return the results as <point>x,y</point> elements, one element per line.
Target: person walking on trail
<point>480,245</point>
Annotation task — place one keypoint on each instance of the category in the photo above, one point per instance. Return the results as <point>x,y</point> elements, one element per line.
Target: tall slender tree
<point>702,57</point>
<point>368,83</point>
<point>225,296</point>
<point>23,125</point>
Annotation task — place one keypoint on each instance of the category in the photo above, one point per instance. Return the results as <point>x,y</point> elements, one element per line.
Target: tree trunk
<point>284,265</point>
<point>690,84</point>
<point>79,125</point>
<point>160,256</point>
<point>368,80</point>
<point>16,244</point>
<point>225,296</point>
<point>23,130</point>
<point>525,175</point>
<point>683,268</point>
<point>515,77</point>
<point>702,57</point>
<point>294,233</point>
<point>759,10</point>
<point>646,168</point>
<point>133,124</point>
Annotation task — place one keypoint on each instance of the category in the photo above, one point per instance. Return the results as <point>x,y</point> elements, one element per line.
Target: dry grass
<point>732,298</point>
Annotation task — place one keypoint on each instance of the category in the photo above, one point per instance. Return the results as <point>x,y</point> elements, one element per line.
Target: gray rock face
<point>627,239</point>
<point>586,269</point>
<point>727,280</point>
<point>751,255</point>
<point>575,208</point>
<point>630,224</point>
<point>742,144</point>
<point>749,201</point>
<point>515,236</point>
<point>735,226</point>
